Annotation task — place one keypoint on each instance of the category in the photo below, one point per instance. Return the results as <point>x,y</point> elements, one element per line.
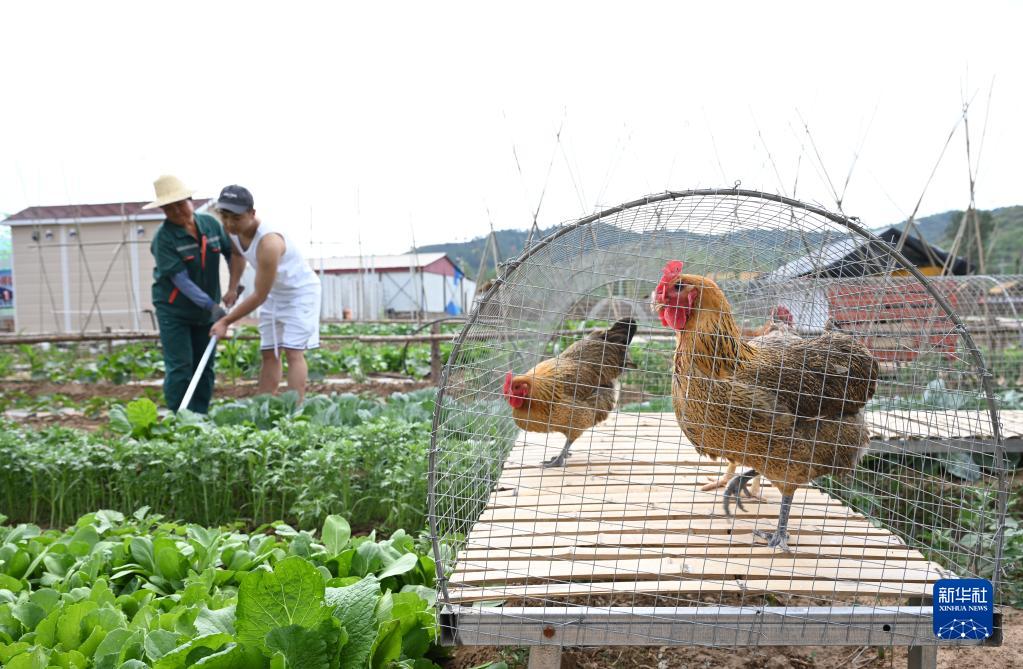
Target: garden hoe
<point>202,365</point>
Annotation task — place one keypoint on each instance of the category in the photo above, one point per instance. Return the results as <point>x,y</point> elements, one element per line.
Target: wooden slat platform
<point>626,517</point>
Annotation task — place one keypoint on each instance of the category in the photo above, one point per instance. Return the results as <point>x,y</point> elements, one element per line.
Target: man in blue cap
<point>286,291</point>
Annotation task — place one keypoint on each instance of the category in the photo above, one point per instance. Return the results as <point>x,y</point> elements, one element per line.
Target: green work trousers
<point>183,343</point>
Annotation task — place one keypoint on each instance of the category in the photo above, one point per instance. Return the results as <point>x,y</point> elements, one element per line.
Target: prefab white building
<point>375,286</point>
<point>84,268</point>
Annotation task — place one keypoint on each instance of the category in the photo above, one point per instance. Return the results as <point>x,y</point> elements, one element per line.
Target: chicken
<point>574,391</point>
<point>780,325</point>
<point>790,408</point>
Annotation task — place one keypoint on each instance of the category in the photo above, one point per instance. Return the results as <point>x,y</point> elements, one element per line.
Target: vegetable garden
<point>263,535</point>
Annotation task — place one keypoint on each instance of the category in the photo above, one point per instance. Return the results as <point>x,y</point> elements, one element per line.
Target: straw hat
<point>168,189</point>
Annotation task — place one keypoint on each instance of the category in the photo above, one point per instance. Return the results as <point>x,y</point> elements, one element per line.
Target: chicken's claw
<point>716,483</point>
<point>735,488</point>
<point>777,539</point>
<point>556,461</point>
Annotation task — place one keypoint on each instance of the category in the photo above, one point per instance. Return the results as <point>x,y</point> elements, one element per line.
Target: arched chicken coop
<point>861,499</point>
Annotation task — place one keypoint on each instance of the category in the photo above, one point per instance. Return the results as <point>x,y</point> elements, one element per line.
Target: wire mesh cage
<point>788,444</point>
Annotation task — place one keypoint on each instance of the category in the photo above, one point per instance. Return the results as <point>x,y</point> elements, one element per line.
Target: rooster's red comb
<point>673,268</point>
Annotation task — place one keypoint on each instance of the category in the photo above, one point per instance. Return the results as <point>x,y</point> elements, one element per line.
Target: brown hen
<point>788,407</point>
<point>574,391</point>
<point>781,324</point>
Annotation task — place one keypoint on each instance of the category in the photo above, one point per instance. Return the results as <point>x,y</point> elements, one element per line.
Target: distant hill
<point>1001,230</point>
<point>466,255</point>
<point>1005,250</point>
<point>933,227</point>
<point>1003,225</point>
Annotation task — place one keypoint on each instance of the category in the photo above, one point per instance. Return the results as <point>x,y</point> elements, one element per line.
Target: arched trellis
<point>740,237</point>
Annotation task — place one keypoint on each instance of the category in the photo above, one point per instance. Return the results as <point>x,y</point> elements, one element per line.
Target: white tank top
<point>293,272</point>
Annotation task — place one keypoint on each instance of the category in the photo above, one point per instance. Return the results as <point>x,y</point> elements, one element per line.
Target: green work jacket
<point>175,250</point>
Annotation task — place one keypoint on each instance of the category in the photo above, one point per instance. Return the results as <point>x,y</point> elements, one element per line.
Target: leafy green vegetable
<point>336,533</point>
<point>137,418</point>
<point>303,647</point>
<point>245,601</point>
<point>355,606</point>
<point>293,594</point>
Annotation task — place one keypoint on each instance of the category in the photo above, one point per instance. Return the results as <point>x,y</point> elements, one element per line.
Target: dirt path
<point>1008,656</point>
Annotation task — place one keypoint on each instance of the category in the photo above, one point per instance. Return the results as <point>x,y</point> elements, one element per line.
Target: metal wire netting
<point>626,523</point>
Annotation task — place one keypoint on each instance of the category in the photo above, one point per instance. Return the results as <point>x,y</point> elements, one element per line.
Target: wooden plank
<point>620,474</point>
<point>477,556</point>
<point>667,480</point>
<point>592,489</point>
<point>677,538</point>
<point>1012,428</point>
<point>514,573</point>
<point>688,565</point>
<point>683,538</point>
<point>936,424</point>
<point>701,525</point>
<point>591,459</point>
<point>526,497</point>
<point>1012,423</point>
<point>626,516</point>
<point>582,512</point>
<point>583,468</point>
<point>696,588</point>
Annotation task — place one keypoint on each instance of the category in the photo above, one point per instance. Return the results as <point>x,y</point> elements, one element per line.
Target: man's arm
<point>268,256</point>
<point>235,266</point>
<point>192,291</point>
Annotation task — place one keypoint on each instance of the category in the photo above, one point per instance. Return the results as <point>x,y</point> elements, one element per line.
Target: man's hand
<point>217,312</point>
<point>219,329</point>
<point>230,297</point>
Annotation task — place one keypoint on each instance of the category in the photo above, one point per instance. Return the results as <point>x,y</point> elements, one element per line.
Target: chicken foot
<point>779,538</point>
<point>723,480</point>
<point>559,459</point>
<point>735,488</point>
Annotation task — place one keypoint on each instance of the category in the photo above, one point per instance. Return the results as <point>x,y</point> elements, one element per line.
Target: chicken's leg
<point>779,538</point>
<point>735,488</point>
<point>753,492</point>
<point>722,480</point>
<point>559,459</point>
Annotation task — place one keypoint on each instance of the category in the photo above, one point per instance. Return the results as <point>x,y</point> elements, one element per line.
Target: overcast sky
<point>375,120</point>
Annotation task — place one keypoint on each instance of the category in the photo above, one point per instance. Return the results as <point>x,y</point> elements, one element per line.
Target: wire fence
<point>867,494</point>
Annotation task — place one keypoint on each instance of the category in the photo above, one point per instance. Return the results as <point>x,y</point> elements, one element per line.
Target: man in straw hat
<point>286,290</point>
<point>186,290</point>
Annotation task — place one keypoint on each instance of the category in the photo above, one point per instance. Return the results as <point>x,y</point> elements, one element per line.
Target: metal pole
<point>435,361</point>
<point>198,372</point>
<point>923,657</point>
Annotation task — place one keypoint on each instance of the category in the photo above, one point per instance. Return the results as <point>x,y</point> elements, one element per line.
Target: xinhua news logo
<point>964,608</point>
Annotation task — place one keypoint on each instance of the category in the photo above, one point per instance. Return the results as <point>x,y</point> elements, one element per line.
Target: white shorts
<point>291,321</point>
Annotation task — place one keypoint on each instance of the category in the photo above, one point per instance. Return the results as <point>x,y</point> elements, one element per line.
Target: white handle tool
<point>198,373</point>
<point>202,365</point>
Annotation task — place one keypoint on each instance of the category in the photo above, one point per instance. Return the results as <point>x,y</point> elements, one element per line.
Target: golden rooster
<point>790,408</point>
<point>574,391</point>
